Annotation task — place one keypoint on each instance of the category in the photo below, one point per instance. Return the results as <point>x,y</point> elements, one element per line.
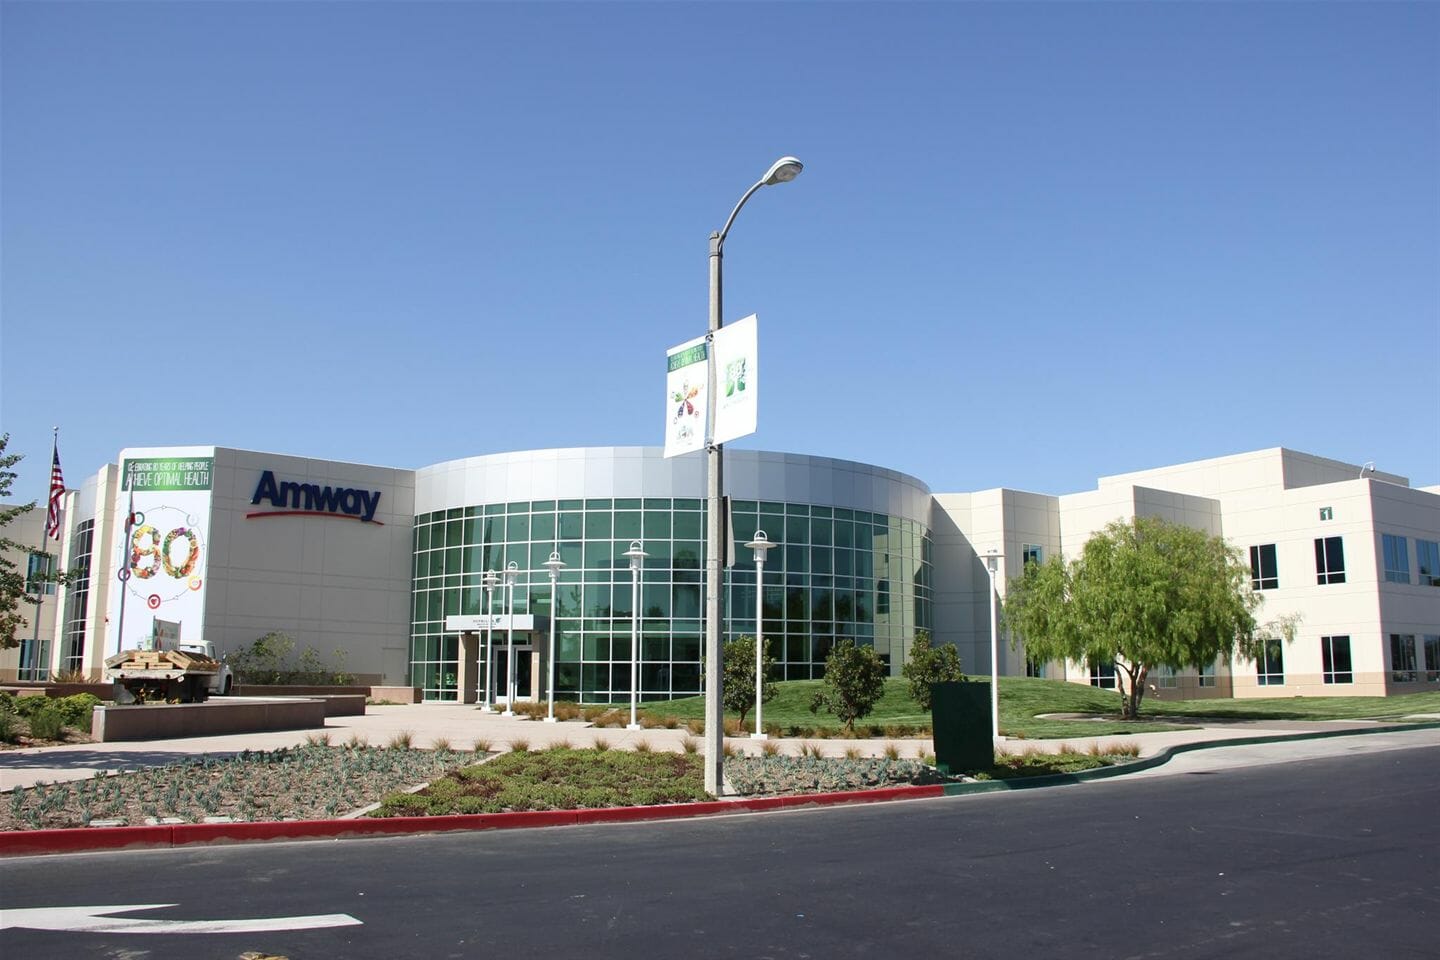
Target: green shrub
<point>9,726</point>
<point>47,724</point>
<point>929,665</point>
<point>854,682</point>
<point>76,709</point>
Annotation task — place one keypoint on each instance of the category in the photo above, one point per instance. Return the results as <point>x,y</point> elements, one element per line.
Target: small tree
<point>738,664</point>
<point>12,580</point>
<point>1142,594</point>
<point>854,682</point>
<point>929,665</point>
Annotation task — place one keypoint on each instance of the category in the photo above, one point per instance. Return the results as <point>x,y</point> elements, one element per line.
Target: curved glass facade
<point>835,573</point>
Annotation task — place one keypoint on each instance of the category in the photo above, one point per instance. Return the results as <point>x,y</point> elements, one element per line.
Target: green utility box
<point>960,712</point>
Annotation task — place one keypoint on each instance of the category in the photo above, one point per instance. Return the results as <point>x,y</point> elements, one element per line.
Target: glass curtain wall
<point>77,603</point>
<point>837,574</point>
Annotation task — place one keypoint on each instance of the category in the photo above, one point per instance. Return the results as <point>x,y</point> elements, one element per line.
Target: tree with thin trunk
<point>1143,593</point>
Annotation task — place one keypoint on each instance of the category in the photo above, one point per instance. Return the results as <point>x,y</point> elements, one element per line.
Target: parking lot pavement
<point>464,727</point>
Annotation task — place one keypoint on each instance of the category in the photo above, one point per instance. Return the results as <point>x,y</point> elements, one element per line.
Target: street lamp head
<point>554,564</point>
<point>636,554</point>
<point>491,579</point>
<point>512,572</point>
<point>761,544</point>
<point>992,559</point>
<point>782,171</point>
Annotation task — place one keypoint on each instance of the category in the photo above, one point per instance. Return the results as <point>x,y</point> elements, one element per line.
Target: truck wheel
<point>229,685</point>
<point>199,690</point>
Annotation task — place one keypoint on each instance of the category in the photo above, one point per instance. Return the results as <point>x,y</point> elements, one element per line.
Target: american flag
<point>57,490</point>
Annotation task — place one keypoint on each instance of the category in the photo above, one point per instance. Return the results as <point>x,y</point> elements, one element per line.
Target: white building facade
<point>368,565</point>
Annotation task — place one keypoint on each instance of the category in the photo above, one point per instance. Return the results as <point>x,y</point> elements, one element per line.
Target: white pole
<point>489,640</point>
<point>554,575</point>
<point>991,561</point>
<point>759,733</point>
<point>510,643</point>
<point>634,645</point>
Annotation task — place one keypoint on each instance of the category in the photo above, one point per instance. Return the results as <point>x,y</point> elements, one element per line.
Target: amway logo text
<point>314,499</point>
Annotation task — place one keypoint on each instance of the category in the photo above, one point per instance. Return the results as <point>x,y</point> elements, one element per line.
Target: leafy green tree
<point>854,683</point>
<point>739,669</point>
<point>927,665</point>
<point>12,579</point>
<point>1142,594</point>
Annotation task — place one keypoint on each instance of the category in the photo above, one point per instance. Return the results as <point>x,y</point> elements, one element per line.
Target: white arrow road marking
<point>93,920</point>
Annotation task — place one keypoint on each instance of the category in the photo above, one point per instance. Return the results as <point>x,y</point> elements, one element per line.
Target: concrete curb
<point>1164,756</point>
<point>43,842</point>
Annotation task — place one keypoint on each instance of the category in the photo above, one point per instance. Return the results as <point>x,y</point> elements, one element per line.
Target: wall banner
<point>738,375</point>
<point>164,546</point>
<point>687,375</point>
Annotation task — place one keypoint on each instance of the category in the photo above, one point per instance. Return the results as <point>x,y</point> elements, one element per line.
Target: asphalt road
<point>1327,857</point>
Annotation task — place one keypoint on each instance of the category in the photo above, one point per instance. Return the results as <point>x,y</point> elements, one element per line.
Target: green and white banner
<point>687,375</point>
<point>163,545</point>
<point>737,371</point>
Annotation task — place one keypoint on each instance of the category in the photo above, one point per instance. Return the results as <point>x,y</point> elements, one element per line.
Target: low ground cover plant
<point>311,782</point>
<point>558,779</point>
<point>772,775</point>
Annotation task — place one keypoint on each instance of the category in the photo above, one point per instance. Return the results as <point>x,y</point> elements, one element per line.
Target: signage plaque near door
<point>468,623</point>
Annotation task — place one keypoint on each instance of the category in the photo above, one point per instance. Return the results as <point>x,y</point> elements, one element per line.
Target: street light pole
<point>491,581</point>
<point>781,171</point>
<point>636,554</point>
<point>761,545</point>
<point>992,563</point>
<point>555,565</point>
<point>512,570</point>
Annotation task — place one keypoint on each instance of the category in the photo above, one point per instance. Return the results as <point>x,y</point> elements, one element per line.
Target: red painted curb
<point>34,842</point>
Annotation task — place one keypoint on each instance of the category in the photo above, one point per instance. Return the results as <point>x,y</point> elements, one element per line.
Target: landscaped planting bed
<point>312,782</point>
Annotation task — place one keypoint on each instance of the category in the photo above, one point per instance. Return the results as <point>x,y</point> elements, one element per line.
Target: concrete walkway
<point>465,726</point>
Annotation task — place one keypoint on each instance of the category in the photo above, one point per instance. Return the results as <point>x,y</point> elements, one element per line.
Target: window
<point>1329,560</point>
<point>1335,657</point>
<point>1207,676</point>
<point>1102,675</point>
<point>1432,657</point>
<point>1031,553</point>
<point>1427,561</point>
<point>1270,665</point>
<point>1164,677</point>
<point>1327,513</point>
<point>1397,558</point>
<point>1263,572</point>
<point>38,574</point>
<point>1402,658</point>
<point>1034,668</point>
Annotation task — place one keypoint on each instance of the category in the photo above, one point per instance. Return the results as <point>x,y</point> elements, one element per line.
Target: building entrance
<point>524,672</point>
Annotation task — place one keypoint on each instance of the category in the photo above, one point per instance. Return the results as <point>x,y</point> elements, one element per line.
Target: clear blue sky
<point>1032,244</point>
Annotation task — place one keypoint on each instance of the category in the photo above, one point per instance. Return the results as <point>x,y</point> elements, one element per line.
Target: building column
<point>468,679</point>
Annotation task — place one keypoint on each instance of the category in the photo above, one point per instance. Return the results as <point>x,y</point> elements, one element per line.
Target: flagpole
<point>125,559</point>
<point>34,657</point>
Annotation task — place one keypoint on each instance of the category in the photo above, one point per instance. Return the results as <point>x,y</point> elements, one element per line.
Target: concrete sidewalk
<point>463,726</point>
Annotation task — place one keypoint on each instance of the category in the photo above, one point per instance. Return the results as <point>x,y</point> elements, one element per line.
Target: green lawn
<point>1022,699</point>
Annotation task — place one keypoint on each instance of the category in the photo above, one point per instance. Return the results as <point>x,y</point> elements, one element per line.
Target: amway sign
<point>313,500</point>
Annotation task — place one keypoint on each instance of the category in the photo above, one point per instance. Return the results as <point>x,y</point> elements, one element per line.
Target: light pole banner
<point>737,373</point>
<point>687,374</point>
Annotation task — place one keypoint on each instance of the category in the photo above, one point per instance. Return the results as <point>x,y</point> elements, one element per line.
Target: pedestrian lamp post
<point>781,171</point>
<point>992,564</point>
<point>636,555</point>
<point>761,544</point>
<point>554,565</point>
<point>512,570</point>
<point>491,581</point>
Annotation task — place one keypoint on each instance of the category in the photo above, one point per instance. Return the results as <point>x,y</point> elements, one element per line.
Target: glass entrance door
<point>524,670</point>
